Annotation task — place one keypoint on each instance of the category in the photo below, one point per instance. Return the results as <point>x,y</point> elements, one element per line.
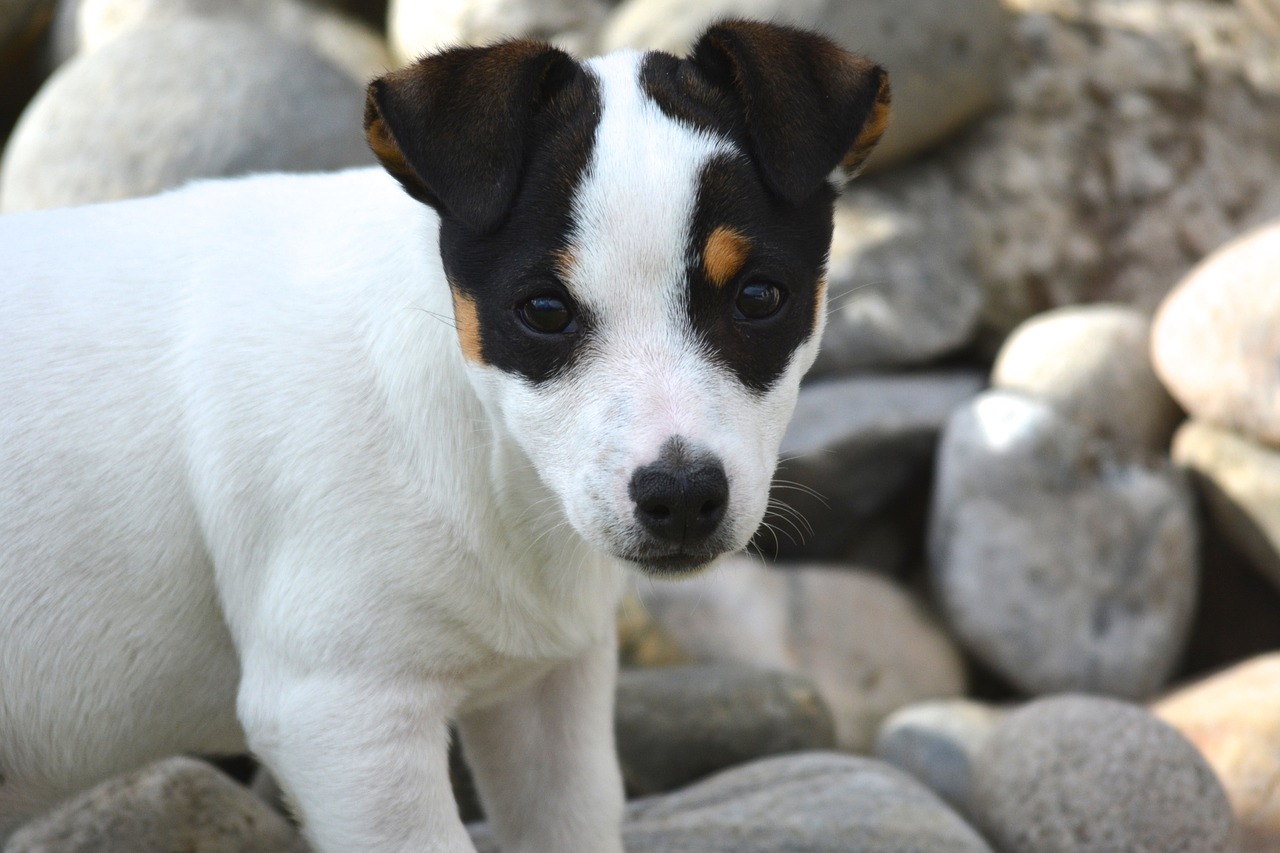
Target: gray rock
<point>1216,339</point>
<point>945,59</point>
<point>857,443</point>
<point>814,802</point>
<point>863,641</point>
<point>1075,774</point>
<point>937,743</point>
<point>86,25</point>
<point>901,284</point>
<point>1133,139</point>
<point>162,105</point>
<point>1059,565</point>
<point>677,724</point>
<point>176,804</point>
<point>1240,482</point>
<point>1091,363</point>
<point>415,27</point>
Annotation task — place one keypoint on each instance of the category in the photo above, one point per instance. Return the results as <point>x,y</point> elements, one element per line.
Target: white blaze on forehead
<point>635,205</point>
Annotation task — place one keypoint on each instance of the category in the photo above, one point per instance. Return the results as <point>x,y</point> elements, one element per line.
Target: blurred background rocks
<point>1039,453</point>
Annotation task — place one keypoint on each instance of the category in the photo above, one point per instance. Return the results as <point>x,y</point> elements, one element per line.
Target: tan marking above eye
<point>724,254</point>
<point>464,314</point>
<point>565,262</point>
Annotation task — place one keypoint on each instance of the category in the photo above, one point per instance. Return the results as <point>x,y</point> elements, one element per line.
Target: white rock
<point>1059,565</point>
<point>945,59</point>
<point>1091,363</point>
<point>162,105</point>
<point>416,27</point>
<point>869,648</point>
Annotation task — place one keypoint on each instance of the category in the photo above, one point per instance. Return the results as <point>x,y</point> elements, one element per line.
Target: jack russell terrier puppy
<point>314,465</point>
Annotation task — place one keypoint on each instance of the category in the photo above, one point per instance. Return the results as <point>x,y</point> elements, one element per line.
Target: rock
<point>1059,565</point>
<point>86,25</point>
<point>1076,774</point>
<point>814,802</point>
<point>857,443</point>
<point>1240,482</point>
<point>1215,341</point>
<point>864,642</point>
<point>1265,12</point>
<point>1234,720</point>
<point>162,105</point>
<point>1133,139</point>
<point>937,743</point>
<point>1091,363</point>
<point>901,285</point>
<point>416,28</point>
<point>945,60</point>
<point>677,724</point>
<point>176,804</point>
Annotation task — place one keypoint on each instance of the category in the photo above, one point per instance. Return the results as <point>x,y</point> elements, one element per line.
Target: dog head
<point>636,249</point>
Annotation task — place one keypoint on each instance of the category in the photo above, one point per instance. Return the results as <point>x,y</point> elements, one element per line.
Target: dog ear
<point>810,107</point>
<point>453,127</point>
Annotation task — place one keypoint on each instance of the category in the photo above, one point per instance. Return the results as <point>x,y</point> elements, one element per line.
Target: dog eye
<point>547,314</point>
<point>758,300</point>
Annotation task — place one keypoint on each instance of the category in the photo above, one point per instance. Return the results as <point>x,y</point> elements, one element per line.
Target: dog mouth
<point>675,563</point>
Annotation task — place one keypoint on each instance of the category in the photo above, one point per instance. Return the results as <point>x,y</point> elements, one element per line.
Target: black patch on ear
<point>524,256</point>
<point>454,128</point>
<point>788,247</point>
<point>794,100</point>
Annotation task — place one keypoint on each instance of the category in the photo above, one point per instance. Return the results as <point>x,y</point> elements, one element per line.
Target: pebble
<point>937,742</point>
<point>176,804</point>
<point>1057,564</point>
<point>1077,774</point>
<point>862,640</point>
<point>1215,341</point>
<point>1092,364</point>
<point>1240,482</point>
<point>815,802</point>
<point>415,27</point>
<point>162,105</point>
<point>678,724</point>
<point>1233,718</point>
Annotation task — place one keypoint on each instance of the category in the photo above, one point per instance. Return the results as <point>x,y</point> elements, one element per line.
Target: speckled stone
<point>1078,774</point>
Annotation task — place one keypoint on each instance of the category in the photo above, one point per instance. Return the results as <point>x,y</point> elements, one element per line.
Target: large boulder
<point>162,105</point>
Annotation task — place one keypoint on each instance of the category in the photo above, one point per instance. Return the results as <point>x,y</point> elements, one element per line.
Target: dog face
<point>636,247</point>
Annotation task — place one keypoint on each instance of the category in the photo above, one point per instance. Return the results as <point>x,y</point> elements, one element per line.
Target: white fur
<point>251,493</point>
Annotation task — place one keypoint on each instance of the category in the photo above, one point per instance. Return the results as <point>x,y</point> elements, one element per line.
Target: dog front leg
<point>363,761</point>
<point>545,762</point>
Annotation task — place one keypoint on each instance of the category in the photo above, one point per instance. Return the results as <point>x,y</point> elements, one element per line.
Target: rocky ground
<point>1034,604</point>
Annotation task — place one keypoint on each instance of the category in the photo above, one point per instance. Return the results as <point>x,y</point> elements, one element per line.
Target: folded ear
<point>810,106</point>
<point>453,127</point>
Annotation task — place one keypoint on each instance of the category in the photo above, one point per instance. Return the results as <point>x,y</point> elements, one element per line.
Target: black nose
<point>681,499</point>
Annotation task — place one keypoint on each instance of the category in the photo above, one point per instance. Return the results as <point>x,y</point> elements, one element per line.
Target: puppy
<point>312,465</point>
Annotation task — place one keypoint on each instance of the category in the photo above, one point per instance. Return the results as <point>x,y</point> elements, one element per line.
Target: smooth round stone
<point>1076,774</point>
<point>1091,363</point>
<point>862,640</point>
<point>937,742</point>
<point>176,804</point>
<point>945,59</point>
<point>415,27</point>
<point>1216,338</point>
<point>1240,482</point>
<point>817,802</point>
<point>680,723</point>
<point>1233,718</point>
<point>1056,563</point>
<point>162,105</point>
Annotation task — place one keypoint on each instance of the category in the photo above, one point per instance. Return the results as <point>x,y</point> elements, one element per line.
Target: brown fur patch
<point>464,315</point>
<point>565,262</point>
<point>871,131</point>
<point>724,254</point>
<point>820,300</point>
